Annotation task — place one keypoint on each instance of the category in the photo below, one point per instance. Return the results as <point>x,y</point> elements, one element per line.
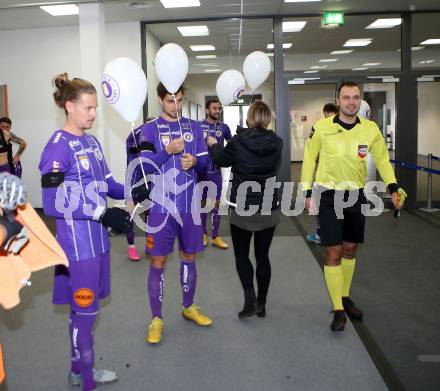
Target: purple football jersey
<point>173,187</point>
<point>221,132</point>
<point>83,192</point>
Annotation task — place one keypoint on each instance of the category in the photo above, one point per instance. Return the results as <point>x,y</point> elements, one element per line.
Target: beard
<point>214,117</point>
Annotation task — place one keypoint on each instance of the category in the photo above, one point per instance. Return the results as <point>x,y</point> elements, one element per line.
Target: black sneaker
<point>339,321</point>
<point>351,310</point>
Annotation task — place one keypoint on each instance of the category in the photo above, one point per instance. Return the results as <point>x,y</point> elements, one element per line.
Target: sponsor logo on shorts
<point>83,297</point>
<point>150,242</point>
<point>188,137</point>
<point>362,151</point>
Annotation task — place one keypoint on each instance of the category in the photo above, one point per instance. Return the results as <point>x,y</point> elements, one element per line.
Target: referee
<point>342,142</point>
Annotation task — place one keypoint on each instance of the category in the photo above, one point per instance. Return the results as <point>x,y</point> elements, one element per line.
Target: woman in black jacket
<point>254,154</point>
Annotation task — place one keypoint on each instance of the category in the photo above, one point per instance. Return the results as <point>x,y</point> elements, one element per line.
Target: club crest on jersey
<point>165,138</point>
<point>188,137</point>
<point>98,153</point>
<point>218,133</point>
<point>362,151</point>
<point>84,162</point>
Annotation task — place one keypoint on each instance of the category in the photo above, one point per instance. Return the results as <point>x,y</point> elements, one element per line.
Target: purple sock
<point>75,368</point>
<point>204,217</point>
<point>130,236</point>
<point>82,340</point>
<point>156,286</point>
<point>215,223</point>
<point>188,280</point>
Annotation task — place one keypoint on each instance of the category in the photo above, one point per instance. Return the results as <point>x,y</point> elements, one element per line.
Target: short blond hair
<point>259,115</point>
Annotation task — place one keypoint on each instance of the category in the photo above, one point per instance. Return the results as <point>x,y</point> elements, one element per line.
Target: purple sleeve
<point>227,132</point>
<point>201,151</point>
<point>158,158</point>
<point>61,210</point>
<point>56,156</point>
<point>115,189</point>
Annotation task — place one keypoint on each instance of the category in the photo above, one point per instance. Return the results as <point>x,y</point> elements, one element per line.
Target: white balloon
<point>256,69</point>
<point>124,86</point>
<point>171,65</point>
<point>364,110</point>
<point>230,85</point>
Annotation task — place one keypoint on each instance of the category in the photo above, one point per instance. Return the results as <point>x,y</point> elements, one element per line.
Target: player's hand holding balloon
<point>187,160</point>
<point>176,146</point>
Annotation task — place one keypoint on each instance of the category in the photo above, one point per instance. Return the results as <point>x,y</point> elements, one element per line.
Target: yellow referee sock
<point>335,280</point>
<point>347,271</point>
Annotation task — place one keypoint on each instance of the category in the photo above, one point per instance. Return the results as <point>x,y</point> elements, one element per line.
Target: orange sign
<point>83,297</point>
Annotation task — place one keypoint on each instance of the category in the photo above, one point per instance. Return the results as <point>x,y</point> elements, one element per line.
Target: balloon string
<point>178,120</point>
<point>142,169</point>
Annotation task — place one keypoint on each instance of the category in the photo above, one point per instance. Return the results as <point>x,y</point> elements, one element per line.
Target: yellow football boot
<point>155,328</point>
<point>218,242</point>
<point>193,313</point>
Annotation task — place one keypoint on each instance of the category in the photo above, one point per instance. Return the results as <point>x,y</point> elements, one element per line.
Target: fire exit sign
<point>333,18</point>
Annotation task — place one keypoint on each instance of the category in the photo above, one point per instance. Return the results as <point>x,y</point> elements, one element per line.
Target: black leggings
<point>241,240</point>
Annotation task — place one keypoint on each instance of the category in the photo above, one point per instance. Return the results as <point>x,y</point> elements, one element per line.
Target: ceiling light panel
<point>293,27</point>
<point>285,45</point>
<point>193,31</point>
<point>432,41</point>
<point>348,51</point>
<point>385,23</point>
<point>61,10</point>
<point>202,48</point>
<point>180,3</point>
<point>358,42</point>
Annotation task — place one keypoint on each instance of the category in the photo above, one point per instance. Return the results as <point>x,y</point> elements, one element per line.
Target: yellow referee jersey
<point>343,155</point>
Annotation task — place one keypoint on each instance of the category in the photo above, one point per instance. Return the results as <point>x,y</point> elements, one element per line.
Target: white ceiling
<point>309,45</point>
<point>14,14</point>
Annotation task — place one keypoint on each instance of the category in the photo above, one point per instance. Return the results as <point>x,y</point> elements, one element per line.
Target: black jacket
<point>254,155</point>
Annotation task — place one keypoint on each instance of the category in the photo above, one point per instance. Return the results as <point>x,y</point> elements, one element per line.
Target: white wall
<point>429,118</point>
<point>35,56</point>
<point>152,46</point>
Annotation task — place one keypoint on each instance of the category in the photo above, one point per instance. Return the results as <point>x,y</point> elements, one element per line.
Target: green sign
<point>333,18</point>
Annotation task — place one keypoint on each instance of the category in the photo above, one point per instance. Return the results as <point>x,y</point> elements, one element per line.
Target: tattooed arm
<point>17,140</point>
